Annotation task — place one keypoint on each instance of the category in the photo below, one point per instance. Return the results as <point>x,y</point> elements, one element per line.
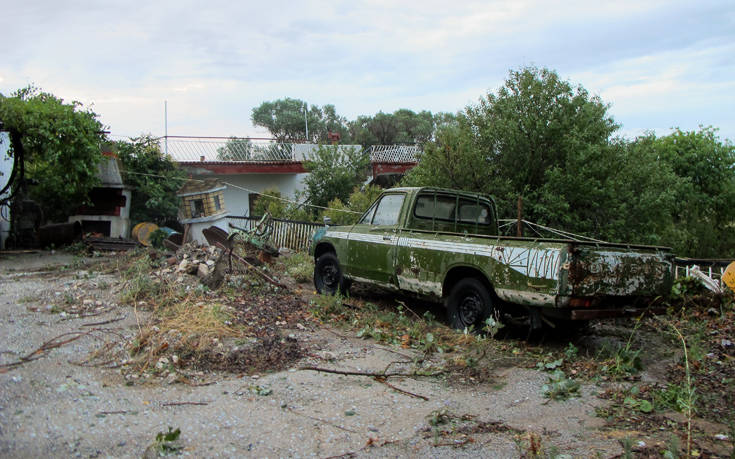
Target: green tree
<point>270,201</point>
<point>154,177</point>
<point>286,121</point>
<point>334,172</point>
<point>402,127</point>
<point>61,143</point>
<point>507,144</point>
<point>357,203</point>
<point>236,149</point>
<point>704,214</point>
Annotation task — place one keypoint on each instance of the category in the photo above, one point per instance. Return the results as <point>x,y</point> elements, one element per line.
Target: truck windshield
<point>387,210</point>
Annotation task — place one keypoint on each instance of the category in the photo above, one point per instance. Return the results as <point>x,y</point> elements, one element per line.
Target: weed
<point>623,360</point>
<point>559,387</point>
<point>571,351</point>
<point>492,326</point>
<point>627,444</point>
<point>299,266</point>
<point>166,442</point>
<point>325,306</point>
<point>548,366</point>
<point>642,405</point>
<point>672,448</point>
<point>688,402</point>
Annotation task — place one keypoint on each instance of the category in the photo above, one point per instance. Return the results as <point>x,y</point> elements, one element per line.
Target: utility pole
<point>165,126</point>
<point>306,120</point>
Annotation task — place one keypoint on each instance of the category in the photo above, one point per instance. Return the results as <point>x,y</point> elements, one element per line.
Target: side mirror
<point>327,221</point>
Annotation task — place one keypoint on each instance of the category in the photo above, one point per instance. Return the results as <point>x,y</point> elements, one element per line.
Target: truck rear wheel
<point>328,278</point>
<point>469,304</point>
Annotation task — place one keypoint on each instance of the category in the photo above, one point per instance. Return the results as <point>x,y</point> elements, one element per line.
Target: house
<point>246,167</point>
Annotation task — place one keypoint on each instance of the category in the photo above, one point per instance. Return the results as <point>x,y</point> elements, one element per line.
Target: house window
<point>217,203</point>
<point>197,208</point>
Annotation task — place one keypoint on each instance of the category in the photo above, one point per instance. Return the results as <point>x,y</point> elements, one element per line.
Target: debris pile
<point>243,322</point>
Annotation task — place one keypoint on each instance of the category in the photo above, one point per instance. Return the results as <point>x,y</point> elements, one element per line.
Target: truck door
<point>372,241</point>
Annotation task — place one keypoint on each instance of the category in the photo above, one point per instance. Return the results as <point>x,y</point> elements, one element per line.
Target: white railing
<point>211,149</point>
<point>394,153</point>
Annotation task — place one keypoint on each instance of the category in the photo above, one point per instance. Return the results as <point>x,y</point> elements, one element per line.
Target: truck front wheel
<point>328,277</point>
<point>469,303</point>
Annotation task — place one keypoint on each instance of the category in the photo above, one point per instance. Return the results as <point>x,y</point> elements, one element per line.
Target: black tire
<point>469,304</point>
<point>328,278</point>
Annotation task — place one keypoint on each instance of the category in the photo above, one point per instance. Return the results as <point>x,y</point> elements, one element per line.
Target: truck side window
<point>473,212</point>
<point>388,209</point>
<point>443,210</point>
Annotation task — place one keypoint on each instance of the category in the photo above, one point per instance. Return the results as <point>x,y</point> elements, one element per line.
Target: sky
<point>659,64</point>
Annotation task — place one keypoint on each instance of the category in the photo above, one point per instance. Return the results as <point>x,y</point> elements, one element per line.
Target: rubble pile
<point>192,261</point>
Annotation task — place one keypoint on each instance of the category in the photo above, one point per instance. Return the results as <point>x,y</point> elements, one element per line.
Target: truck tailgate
<point>617,271</point>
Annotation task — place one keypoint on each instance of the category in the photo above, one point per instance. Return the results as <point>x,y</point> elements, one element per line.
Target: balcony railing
<point>238,149</point>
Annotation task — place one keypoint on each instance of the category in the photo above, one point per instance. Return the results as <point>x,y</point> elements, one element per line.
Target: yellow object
<point>142,232</point>
<point>728,277</point>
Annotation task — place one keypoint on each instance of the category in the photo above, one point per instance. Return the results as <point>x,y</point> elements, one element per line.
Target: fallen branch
<point>43,349</point>
<point>104,322</point>
<point>183,403</point>
<point>367,373</point>
<point>398,389</point>
<point>320,420</point>
<point>252,268</point>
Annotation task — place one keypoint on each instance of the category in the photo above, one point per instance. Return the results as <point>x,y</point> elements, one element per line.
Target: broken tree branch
<point>104,322</point>
<point>398,389</point>
<point>367,373</point>
<point>183,403</point>
<point>252,268</point>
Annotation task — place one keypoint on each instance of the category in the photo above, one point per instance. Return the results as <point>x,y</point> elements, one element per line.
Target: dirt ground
<point>66,402</point>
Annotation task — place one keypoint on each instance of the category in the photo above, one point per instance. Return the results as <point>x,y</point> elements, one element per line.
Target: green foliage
<point>642,405</point>
<point>402,127</point>
<point>165,442</point>
<point>61,142</point>
<point>357,204</point>
<point>621,361</point>
<point>154,177</point>
<point>285,120</point>
<point>509,143</point>
<point>559,387</point>
<point>553,144</point>
<point>236,149</point>
<point>300,266</point>
<point>334,172</point>
<point>704,190</point>
<point>675,397</point>
<point>270,201</point>
<point>157,237</point>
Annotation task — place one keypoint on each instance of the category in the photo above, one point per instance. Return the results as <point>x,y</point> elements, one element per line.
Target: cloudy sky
<point>659,64</point>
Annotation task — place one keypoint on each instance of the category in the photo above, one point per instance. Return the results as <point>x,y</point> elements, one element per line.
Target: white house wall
<point>236,199</point>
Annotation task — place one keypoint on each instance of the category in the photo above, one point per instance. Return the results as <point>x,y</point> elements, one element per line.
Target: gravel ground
<point>51,407</point>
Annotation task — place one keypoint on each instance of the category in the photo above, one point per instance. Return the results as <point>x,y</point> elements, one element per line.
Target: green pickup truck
<point>444,245</point>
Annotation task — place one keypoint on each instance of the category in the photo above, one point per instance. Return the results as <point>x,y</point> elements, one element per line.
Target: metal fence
<point>292,234</point>
<point>712,268</point>
<point>258,150</point>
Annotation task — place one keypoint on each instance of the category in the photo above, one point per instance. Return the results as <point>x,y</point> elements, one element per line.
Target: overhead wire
<point>299,204</point>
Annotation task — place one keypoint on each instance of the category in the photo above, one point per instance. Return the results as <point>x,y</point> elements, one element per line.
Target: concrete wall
<point>237,199</point>
<point>6,167</point>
